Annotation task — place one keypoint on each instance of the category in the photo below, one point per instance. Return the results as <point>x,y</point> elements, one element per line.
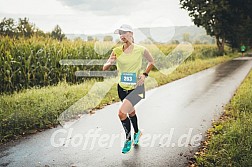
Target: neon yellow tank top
<point>129,65</point>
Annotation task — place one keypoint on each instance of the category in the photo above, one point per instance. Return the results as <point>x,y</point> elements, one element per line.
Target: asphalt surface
<point>173,118</point>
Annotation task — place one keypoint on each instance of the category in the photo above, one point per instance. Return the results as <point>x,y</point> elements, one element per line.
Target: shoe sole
<point>129,150</point>
<point>126,152</point>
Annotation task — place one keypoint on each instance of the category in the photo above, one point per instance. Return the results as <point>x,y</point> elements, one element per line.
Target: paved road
<point>173,117</point>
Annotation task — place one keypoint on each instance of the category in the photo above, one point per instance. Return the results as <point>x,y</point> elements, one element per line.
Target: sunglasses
<point>122,32</point>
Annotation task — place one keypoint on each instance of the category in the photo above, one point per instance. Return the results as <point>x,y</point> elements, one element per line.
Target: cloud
<point>103,7</point>
<point>38,7</point>
<point>93,16</point>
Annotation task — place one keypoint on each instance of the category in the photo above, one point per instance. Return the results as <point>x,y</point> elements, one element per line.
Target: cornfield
<point>34,62</point>
<point>25,63</point>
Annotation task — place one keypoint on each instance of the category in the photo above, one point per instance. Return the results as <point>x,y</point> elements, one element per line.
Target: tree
<point>7,27</point>
<point>229,21</point>
<point>38,32</point>
<point>175,42</point>
<point>241,23</point>
<point>186,37</point>
<point>108,38</point>
<point>90,38</point>
<point>57,33</point>
<point>25,28</point>
<point>213,15</point>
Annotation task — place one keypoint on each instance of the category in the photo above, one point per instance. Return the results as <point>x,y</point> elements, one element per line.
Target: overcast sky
<point>95,16</point>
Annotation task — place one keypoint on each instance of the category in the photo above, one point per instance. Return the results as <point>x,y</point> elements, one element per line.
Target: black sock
<point>126,126</point>
<point>134,123</point>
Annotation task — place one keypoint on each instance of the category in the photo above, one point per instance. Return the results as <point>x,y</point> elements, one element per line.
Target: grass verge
<point>229,141</point>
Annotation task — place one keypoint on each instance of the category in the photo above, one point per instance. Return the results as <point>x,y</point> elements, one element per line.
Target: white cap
<point>124,27</point>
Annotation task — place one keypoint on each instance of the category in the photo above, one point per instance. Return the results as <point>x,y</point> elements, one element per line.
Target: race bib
<point>128,78</point>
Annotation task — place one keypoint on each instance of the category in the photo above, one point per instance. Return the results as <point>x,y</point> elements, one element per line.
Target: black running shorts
<point>134,95</point>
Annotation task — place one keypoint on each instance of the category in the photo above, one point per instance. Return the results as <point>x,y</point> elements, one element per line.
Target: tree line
<point>23,28</point>
<point>229,21</point>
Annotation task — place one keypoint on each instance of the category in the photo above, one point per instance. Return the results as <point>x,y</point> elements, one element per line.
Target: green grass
<point>38,108</point>
<point>230,140</point>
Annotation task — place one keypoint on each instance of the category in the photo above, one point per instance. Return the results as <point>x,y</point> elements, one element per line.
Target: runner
<point>128,58</point>
<point>243,49</point>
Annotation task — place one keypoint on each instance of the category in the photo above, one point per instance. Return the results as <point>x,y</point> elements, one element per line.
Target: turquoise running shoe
<point>127,146</point>
<point>137,136</point>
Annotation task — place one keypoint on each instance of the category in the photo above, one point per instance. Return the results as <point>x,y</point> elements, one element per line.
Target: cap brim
<point>121,29</point>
